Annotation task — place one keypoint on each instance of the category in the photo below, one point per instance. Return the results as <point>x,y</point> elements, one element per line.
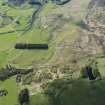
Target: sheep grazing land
<point>52,52</point>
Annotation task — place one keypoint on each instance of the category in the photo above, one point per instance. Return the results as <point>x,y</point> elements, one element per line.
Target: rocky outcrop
<point>96,13</point>
<point>93,38</point>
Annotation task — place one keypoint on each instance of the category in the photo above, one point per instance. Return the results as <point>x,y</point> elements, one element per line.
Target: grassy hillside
<point>35,35</point>
<point>58,26</point>
<point>39,99</point>
<point>84,92</point>
<point>15,22</point>
<point>13,89</point>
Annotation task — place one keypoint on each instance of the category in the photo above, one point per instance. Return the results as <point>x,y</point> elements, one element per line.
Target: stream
<point>39,6</point>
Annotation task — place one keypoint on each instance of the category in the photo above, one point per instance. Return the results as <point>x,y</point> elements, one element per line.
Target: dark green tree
<point>24,98</point>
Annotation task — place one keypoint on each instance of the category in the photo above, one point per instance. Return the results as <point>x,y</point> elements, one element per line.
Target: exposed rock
<point>96,13</point>
<point>93,39</point>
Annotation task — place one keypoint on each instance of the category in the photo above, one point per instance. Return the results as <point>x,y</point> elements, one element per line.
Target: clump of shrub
<point>23,97</point>
<point>42,76</point>
<point>55,88</point>
<point>54,69</point>
<point>27,79</point>
<point>9,71</point>
<point>96,72</point>
<point>65,69</point>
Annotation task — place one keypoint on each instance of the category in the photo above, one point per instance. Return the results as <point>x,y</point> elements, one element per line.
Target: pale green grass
<point>3,57</point>
<point>47,9</point>
<point>35,35</point>
<point>11,98</point>
<point>39,99</point>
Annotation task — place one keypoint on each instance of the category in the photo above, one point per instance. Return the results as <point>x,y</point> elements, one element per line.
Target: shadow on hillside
<point>83,92</point>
